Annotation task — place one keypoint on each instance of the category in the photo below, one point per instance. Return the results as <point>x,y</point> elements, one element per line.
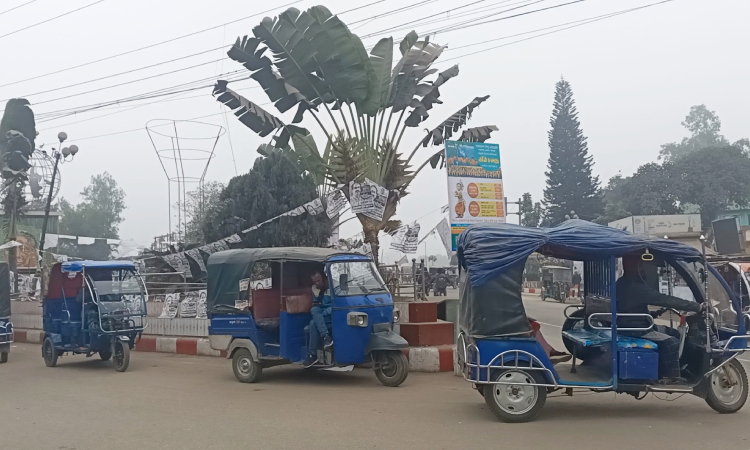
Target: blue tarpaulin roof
<point>77,266</point>
<point>488,250</point>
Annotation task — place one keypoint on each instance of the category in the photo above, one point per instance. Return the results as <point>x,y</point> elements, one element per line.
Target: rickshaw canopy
<point>493,257</point>
<point>487,250</point>
<point>78,266</point>
<point>226,268</point>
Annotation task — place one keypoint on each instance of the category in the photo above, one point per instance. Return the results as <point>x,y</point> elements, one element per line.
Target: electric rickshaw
<point>556,282</point>
<point>499,355</point>
<point>259,329</point>
<point>93,307</point>
<point>6,327</point>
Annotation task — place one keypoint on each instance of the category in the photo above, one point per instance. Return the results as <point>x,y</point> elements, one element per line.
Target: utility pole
<point>517,213</point>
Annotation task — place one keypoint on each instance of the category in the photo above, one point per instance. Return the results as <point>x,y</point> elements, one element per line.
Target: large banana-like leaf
<point>412,68</point>
<point>294,54</point>
<point>308,156</point>
<point>381,60</point>
<point>430,96</point>
<point>247,52</point>
<point>250,114</point>
<point>342,59</point>
<point>478,134</point>
<point>17,116</point>
<point>446,129</point>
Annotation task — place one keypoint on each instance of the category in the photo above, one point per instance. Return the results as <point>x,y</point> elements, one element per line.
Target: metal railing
<point>609,315</point>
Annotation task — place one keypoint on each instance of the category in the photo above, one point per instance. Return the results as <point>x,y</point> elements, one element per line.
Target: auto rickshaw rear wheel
<point>728,388</point>
<point>393,368</point>
<point>517,401</point>
<point>121,356</point>
<point>3,357</point>
<point>245,368</point>
<point>49,352</point>
<point>105,355</point>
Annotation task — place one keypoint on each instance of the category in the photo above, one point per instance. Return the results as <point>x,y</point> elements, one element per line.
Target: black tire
<point>522,403</point>
<point>121,356</point>
<point>395,370</point>
<point>245,368</point>
<point>105,355</point>
<point>3,357</point>
<point>582,353</point>
<point>726,399</point>
<point>49,353</point>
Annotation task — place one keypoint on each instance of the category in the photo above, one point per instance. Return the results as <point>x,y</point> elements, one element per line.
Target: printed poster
<point>406,238</point>
<point>335,202</point>
<point>368,198</point>
<point>475,185</point>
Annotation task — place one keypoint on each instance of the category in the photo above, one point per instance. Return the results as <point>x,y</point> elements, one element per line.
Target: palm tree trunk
<point>13,251</point>
<point>371,237</point>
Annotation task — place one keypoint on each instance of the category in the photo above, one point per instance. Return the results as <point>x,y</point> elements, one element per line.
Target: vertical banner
<point>444,231</point>
<point>475,185</point>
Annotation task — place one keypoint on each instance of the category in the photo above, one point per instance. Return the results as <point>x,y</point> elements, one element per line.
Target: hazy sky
<point>634,77</point>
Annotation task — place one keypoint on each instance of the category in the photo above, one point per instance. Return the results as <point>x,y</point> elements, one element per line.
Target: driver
<point>634,297</point>
<point>321,312</point>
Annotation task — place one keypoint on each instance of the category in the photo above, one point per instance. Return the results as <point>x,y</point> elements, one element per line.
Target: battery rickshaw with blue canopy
<point>262,328</point>
<point>6,327</point>
<point>498,353</point>
<point>93,307</point>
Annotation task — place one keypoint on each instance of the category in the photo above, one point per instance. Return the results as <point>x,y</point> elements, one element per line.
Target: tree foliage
<point>311,61</point>
<point>705,132</point>
<point>200,205</point>
<point>571,186</point>
<point>272,187</point>
<point>531,213</point>
<point>98,215</point>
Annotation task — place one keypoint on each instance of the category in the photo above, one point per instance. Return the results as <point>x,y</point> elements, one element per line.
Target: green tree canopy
<point>272,187</point>
<point>99,215</point>
<point>200,205</point>
<point>571,185</point>
<point>705,132</point>
<point>531,213</point>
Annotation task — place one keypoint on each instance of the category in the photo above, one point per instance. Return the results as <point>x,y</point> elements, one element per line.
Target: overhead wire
<point>50,20</point>
<point>16,7</point>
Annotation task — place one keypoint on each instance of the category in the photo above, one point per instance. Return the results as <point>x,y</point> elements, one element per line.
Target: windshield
<point>719,298</point>
<point>118,290</point>
<point>362,278</point>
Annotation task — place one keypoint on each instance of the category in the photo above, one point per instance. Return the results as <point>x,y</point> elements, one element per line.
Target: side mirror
<point>344,282</point>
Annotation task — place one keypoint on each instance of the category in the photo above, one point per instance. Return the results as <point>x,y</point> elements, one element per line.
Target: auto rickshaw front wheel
<point>727,389</point>
<point>121,356</point>
<point>393,368</point>
<point>516,400</point>
<point>49,352</point>
<point>245,368</point>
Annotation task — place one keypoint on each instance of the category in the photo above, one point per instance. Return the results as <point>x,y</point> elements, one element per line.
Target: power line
<point>50,20</point>
<point>16,7</point>
<point>584,22</point>
<point>121,73</point>
<point>414,21</point>
<point>361,7</point>
<point>144,48</point>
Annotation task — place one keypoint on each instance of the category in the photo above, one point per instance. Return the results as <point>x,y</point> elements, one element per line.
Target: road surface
<point>180,402</point>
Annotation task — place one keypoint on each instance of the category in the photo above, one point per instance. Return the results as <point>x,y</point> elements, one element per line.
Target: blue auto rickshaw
<point>498,353</point>
<point>93,307</point>
<point>6,327</point>
<point>261,328</point>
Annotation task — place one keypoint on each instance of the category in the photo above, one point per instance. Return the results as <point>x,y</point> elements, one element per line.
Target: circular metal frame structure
<point>185,149</point>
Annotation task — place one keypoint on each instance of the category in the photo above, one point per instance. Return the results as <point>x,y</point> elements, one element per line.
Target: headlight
<point>356,319</point>
<point>396,315</point>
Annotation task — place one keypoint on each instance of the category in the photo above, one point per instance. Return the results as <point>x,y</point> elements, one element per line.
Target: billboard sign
<point>475,185</point>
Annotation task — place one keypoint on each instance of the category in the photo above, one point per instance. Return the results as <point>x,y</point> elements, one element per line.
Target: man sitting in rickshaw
<point>634,297</point>
<point>321,313</point>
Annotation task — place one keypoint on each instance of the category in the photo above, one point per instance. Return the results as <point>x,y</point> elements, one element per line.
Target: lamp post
<point>63,154</point>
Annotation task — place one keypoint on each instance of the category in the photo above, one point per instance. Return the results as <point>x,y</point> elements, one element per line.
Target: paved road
<point>182,402</point>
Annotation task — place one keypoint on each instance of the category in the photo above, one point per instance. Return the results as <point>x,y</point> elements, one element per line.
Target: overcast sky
<point>634,78</point>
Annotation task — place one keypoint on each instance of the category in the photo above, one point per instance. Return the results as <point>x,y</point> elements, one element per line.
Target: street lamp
<point>66,154</point>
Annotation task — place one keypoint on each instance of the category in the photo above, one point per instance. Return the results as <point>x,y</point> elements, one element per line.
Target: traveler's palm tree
<point>362,102</point>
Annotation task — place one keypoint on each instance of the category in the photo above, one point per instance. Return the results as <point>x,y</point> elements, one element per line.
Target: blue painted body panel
<point>597,338</point>
<point>638,365</point>
<point>293,338</point>
<point>78,266</point>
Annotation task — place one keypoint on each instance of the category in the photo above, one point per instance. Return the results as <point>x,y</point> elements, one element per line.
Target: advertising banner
<point>475,185</point>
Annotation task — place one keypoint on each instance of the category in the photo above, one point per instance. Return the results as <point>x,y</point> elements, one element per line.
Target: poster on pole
<point>406,238</point>
<point>475,185</point>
